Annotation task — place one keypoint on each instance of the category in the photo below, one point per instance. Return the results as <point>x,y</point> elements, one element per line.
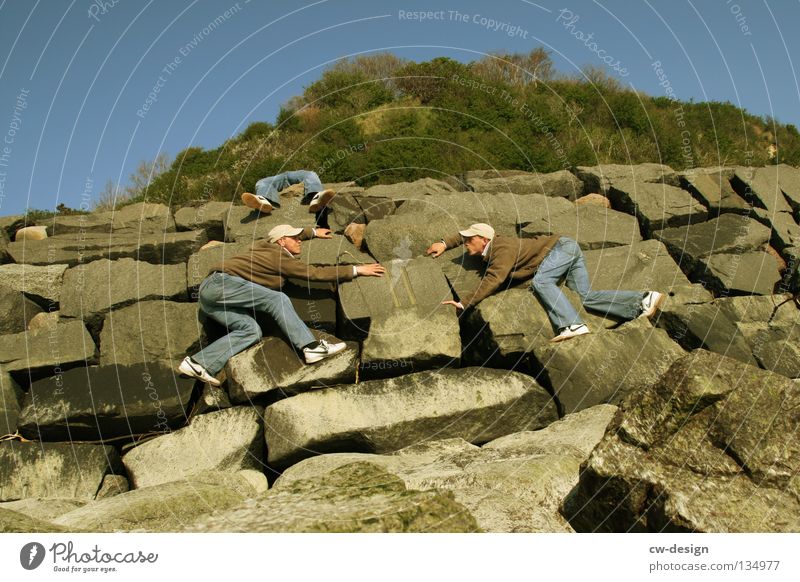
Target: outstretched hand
<point>454,303</point>
<point>322,233</point>
<point>371,270</point>
<point>436,249</point>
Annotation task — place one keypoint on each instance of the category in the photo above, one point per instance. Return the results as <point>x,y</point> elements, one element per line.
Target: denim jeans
<point>270,187</point>
<point>566,260</point>
<point>230,300</point>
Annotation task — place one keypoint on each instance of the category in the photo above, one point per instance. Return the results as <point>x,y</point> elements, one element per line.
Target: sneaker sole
<point>192,374</point>
<point>324,200</point>
<point>654,307</point>
<point>559,338</point>
<point>317,357</point>
<point>251,201</point>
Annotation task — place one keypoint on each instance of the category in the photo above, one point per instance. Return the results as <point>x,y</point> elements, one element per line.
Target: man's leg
<point>622,304</point>
<point>545,285</point>
<point>310,180</point>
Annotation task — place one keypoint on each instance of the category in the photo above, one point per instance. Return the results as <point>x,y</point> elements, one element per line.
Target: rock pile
<point>428,421</point>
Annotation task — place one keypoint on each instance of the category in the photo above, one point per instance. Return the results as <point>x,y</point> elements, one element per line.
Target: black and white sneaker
<point>257,202</point>
<point>320,200</point>
<point>189,367</point>
<point>651,303</point>
<point>570,332</point>
<point>322,351</point>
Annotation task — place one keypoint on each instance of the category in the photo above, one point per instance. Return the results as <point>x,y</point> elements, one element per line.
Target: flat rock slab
<point>139,218</point>
<point>273,367</point>
<point>334,251</point>
<point>594,227</point>
<point>703,450</point>
<point>764,187</point>
<point>17,522</point>
<point>41,283</point>
<point>92,289</point>
<point>561,184</point>
<point>713,188</point>
<point>410,190</point>
<point>47,348</point>
<point>228,440</point>
<point>45,509</point>
<point>601,178</point>
<point>516,483</point>
<point>167,507</point>
<point>604,367</point>
<point>106,402</point>
<point>656,206</point>
<point>150,331</point>
<point>753,273</point>
<point>360,497</point>
<point>72,249</point>
<point>381,416</point>
<point>209,217</point>
<point>54,470</point>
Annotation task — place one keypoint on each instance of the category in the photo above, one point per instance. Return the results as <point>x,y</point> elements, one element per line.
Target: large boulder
<point>47,349</point>
<point>43,508</point>
<point>360,497</point>
<point>656,206</point>
<point>380,416</point>
<point>16,310</point>
<point>605,367</point>
<point>92,289</point>
<point>43,284</point>
<point>10,400</point>
<point>62,470</point>
<point>228,440</point>
<point>410,190</point>
<point>106,402</point>
<point>713,188</point>
<point>515,483</point>
<point>167,507</point>
<point>561,184</point>
<point>17,522</point>
<point>72,249</point>
<point>171,332</point>
<point>601,178</point>
<point>705,450</point>
<point>133,219</point>
<point>771,187</point>
<point>594,227</point>
<point>273,368</point>
<point>208,217</point>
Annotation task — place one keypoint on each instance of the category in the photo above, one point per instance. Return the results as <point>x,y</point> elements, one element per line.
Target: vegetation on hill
<point>381,119</point>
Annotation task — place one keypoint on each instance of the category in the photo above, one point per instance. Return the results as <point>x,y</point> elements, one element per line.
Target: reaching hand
<point>436,249</point>
<point>322,232</point>
<point>455,303</point>
<point>371,270</point>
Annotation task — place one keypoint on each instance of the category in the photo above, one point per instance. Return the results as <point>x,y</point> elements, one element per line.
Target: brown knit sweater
<point>507,257</point>
<point>269,264</point>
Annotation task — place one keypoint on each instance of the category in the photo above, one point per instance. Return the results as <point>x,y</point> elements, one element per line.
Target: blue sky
<point>75,75</point>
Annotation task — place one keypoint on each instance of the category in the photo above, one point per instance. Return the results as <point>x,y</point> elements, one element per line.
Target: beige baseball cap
<point>281,231</point>
<point>479,229</point>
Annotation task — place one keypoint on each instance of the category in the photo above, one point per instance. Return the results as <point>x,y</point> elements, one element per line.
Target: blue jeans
<point>270,187</point>
<point>230,300</point>
<point>566,260</point>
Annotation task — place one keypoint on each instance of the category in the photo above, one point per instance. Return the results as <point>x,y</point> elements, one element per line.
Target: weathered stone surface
<point>92,289</point>
<point>16,522</point>
<point>561,184</point>
<point>605,367</point>
<point>63,470</point>
<point>10,401</point>
<point>410,190</point>
<point>705,450</point>
<point>135,219</point>
<point>343,210</point>
<point>43,283</point>
<point>66,343</point>
<point>601,178</point>
<point>44,320</point>
<point>4,256</point>
<point>228,440</point>
<point>656,206</point>
<point>777,349</point>
<point>360,497</point>
<point>764,187</point>
<point>273,366</point>
<point>149,331</point>
<point>16,310</point>
<point>44,509</point>
<point>209,217</point>
<point>106,402</point>
<point>334,251</point>
<point>784,229</point>
<point>753,273</point>
<point>315,303</point>
<point>705,326</point>
<point>113,485</point>
<point>713,188</point>
<point>379,416</point>
<point>212,398</point>
<point>593,227</point>
<point>161,508</point>
<point>72,249</point>
<point>513,484</point>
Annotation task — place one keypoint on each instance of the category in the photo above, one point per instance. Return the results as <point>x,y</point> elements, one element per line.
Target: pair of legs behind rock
<point>230,301</point>
<point>267,196</point>
<point>565,260</point>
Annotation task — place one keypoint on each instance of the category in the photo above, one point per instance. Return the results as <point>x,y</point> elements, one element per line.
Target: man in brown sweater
<point>546,259</point>
<point>252,280</point>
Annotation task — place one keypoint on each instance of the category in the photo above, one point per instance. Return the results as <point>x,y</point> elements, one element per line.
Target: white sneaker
<point>322,351</point>
<point>651,303</point>
<point>320,200</point>
<point>570,332</point>
<point>257,202</point>
<point>195,370</point>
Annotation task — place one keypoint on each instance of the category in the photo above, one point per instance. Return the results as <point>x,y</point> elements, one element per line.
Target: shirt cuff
<point>313,233</point>
<point>460,306</point>
<point>355,271</point>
